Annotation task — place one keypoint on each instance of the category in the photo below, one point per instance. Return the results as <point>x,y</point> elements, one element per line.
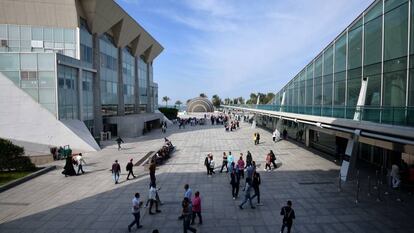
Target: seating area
<point>164,153</point>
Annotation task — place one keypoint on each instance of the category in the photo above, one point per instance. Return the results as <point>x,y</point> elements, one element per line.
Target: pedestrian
<point>163,128</point>
<point>395,176</point>
<point>212,165</point>
<point>207,164</point>
<point>187,194</point>
<point>235,183</point>
<point>274,135</point>
<point>187,215</point>
<point>249,170</point>
<point>268,162</point>
<point>256,181</point>
<point>230,158</point>
<point>136,206</point>
<point>152,197</point>
<point>116,170</point>
<point>119,141</point>
<point>240,165</point>
<point>273,159</point>
<point>129,168</point>
<point>152,169</point>
<point>196,202</point>
<point>224,164</point>
<point>249,158</point>
<point>255,138</point>
<point>247,196</point>
<point>288,216</point>
<point>258,138</point>
<point>79,159</point>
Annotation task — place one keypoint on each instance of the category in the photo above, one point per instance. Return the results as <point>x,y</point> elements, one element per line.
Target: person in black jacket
<point>255,184</point>
<point>288,216</point>
<point>207,164</point>
<point>119,141</point>
<point>273,159</point>
<point>235,183</point>
<point>129,167</point>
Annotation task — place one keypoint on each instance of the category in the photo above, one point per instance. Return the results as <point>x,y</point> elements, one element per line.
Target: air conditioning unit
<point>3,43</point>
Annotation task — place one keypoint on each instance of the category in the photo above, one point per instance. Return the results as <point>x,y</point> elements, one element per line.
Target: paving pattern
<point>92,203</point>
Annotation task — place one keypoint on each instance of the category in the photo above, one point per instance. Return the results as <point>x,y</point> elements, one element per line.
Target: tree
<point>227,101</point>
<point>12,157</point>
<point>268,98</point>
<point>240,100</point>
<point>203,95</point>
<point>216,101</point>
<point>165,99</point>
<point>178,102</point>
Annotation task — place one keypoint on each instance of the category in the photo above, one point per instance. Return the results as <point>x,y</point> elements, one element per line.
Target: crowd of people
<point>164,153</point>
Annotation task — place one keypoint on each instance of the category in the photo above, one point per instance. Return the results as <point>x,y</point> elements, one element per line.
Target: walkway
<point>92,203</point>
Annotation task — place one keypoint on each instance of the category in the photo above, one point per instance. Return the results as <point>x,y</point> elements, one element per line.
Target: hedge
<point>12,157</point>
<point>170,113</point>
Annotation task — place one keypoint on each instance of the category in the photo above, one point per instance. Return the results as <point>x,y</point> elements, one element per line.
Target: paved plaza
<point>92,203</point>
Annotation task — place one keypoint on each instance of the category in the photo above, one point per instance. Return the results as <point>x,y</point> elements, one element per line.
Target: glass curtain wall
<point>87,99</point>
<point>339,77</point>
<point>327,82</point>
<point>68,92</point>
<point>109,75</point>
<point>85,45</point>
<point>128,71</point>
<point>143,83</point>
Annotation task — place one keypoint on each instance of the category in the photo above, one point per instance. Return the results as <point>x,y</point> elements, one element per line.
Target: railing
<point>403,116</point>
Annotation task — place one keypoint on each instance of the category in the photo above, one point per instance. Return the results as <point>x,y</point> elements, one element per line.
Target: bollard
<point>369,186</point>
<point>357,188</point>
<point>339,182</point>
<point>378,192</point>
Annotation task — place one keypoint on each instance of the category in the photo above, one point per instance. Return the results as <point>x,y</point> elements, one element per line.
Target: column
<point>121,104</point>
<point>97,112</point>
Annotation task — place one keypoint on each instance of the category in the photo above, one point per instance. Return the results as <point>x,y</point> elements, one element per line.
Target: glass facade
<point>142,82</point>
<point>68,92</point>
<point>128,76</point>
<point>109,75</point>
<point>87,99</point>
<point>377,46</point>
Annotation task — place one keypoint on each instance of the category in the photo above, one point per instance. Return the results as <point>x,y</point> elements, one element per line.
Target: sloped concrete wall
<point>23,119</point>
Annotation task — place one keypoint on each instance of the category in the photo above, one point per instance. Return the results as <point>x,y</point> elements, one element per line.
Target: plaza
<point>92,203</point>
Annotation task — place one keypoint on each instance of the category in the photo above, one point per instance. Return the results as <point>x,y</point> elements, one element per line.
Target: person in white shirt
<point>136,206</point>
<point>152,197</point>
<point>212,165</point>
<point>79,160</point>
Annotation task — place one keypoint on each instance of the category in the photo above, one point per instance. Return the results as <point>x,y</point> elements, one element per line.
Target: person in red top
<point>196,208</point>
<point>268,162</point>
<point>240,164</point>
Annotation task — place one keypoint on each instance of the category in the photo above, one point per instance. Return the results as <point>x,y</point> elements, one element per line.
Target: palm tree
<point>203,95</point>
<point>178,102</point>
<point>165,99</point>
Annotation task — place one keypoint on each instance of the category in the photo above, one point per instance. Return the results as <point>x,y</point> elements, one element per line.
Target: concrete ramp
<point>23,119</point>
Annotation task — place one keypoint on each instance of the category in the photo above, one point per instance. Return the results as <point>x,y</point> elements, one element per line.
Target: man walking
<point>116,169</point>
<point>197,208</point>
<point>187,215</point>
<point>136,205</point>
<point>152,197</point>
<point>207,164</point>
<point>129,167</point>
<point>79,159</point>
<point>235,183</point>
<point>187,194</point>
<point>119,141</point>
<point>247,196</point>
<point>255,184</point>
<point>288,216</point>
<point>224,164</point>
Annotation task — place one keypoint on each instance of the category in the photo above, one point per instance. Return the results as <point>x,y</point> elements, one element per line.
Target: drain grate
<point>312,182</point>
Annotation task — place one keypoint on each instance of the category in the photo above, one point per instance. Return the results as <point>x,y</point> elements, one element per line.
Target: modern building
<point>356,97</point>
<point>72,70</point>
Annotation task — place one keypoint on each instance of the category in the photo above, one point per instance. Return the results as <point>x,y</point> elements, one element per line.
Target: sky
<point>235,47</point>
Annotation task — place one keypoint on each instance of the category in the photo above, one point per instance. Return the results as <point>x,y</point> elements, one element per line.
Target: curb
<point>14,183</point>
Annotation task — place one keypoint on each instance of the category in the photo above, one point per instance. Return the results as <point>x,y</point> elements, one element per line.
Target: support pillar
<point>307,137</point>
<point>97,104</point>
<point>349,160</point>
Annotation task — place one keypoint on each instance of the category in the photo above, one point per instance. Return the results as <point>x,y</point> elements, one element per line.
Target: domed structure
<point>200,104</point>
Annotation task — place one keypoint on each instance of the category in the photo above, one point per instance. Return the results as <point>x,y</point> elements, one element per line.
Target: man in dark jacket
<point>255,184</point>
<point>129,167</point>
<point>119,141</point>
<point>116,170</point>
<point>288,216</point>
<point>207,164</point>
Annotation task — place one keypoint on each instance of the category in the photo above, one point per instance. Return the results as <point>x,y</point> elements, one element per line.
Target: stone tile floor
<point>92,203</point>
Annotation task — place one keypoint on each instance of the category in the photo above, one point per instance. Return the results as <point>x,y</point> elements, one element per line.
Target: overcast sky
<point>235,47</point>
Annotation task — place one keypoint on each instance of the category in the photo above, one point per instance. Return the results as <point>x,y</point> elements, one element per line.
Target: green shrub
<point>12,157</point>
<point>170,113</point>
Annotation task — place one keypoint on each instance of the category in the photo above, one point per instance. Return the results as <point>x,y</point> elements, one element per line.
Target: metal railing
<point>403,116</point>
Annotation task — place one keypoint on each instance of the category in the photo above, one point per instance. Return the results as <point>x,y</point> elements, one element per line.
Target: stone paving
<point>92,203</point>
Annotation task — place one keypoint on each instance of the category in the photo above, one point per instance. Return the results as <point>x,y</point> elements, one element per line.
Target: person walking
<point>224,164</point>
<point>187,194</point>
<point>235,183</point>
<point>68,169</point>
<point>258,138</point>
<point>197,208</point>
<point>187,215</point>
<point>256,181</point>
<point>273,159</point>
<point>288,216</point>
<point>230,160</point>
<point>163,128</point>
<point>129,168</point>
<point>247,196</point>
<point>249,158</point>
<point>152,197</point>
<point>255,138</point>
<point>119,141</point>
<point>116,170</point>
<point>274,135</point>
<point>268,162</point>
<point>207,164</point>
<point>79,159</point>
<point>212,165</point>
<point>136,206</point>
<point>395,176</point>
<point>240,165</point>
<point>152,169</point>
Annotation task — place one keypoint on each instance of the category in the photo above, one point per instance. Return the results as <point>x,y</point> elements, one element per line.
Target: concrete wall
<point>132,125</point>
<point>23,119</point>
